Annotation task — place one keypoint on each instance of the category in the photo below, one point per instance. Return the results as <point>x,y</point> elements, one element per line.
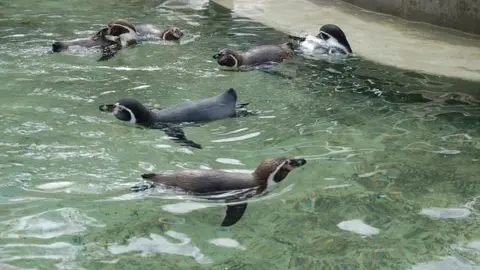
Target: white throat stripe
<point>133,119</point>
<point>271,183</point>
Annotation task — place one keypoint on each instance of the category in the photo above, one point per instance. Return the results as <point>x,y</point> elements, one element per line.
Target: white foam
<point>337,186</point>
<point>49,224</point>
<point>239,138</point>
<point>140,87</point>
<point>235,131</point>
<point>155,243</point>
<point>229,161</point>
<point>358,226</point>
<point>447,263</point>
<point>62,253</point>
<point>146,166</point>
<point>183,207</point>
<point>226,242</point>
<point>55,185</point>
<point>455,213</point>
<point>474,244</point>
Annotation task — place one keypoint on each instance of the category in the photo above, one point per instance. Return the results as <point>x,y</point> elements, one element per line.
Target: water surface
<point>392,180</point>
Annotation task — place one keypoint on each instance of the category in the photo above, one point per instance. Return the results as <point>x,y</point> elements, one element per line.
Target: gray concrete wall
<point>463,15</point>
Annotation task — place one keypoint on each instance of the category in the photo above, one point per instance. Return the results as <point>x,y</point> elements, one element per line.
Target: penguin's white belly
<point>314,45</point>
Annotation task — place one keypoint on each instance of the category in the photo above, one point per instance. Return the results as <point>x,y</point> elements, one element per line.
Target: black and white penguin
<point>214,108</point>
<point>330,40</point>
<point>120,34</point>
<point>205,182</point>
<point>255,56</point>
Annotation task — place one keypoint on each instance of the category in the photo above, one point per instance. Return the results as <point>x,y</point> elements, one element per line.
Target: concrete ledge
<point>380,38</point>
<point>463,15</point>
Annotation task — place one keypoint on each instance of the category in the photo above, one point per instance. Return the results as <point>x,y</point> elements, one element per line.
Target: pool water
<point>392,179</point>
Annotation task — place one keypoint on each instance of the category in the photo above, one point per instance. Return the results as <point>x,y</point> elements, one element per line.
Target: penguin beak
<point>297,162</point>
<point>215,56</point>
<point>106,107</point>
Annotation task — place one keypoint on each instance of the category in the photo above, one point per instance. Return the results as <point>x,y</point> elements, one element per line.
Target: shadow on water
<point>392,174</point>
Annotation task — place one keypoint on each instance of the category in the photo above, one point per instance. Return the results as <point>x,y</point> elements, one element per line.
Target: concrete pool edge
<point>463,15</point>
<point>383,39</point>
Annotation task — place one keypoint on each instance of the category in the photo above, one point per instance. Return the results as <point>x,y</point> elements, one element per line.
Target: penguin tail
<point>148,176</point>
<point>233,92</point>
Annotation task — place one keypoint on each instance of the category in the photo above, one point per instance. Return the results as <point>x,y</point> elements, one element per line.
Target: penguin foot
<point>242,105</point>
<point>190,143</point>
<point>175,132</point>
<point>142,187</point>
<point>107,53</point>
<point>274,72</point>
<point>245,113</point>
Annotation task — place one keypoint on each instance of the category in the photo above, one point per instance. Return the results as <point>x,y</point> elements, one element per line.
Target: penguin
<point>126,34</point>
<point>110,35</point>
<point>259,55</point>
<point>121,35</point>
<point>214,108</point>
<point>118,34</point>
<point>147,32</point>
<point>330,40</point>
<point>97,40</point>
<point>204,182</point>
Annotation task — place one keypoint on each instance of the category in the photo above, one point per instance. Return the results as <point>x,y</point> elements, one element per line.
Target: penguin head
<point>228,58</point>
<point>118,29</point>
<point>172,33</point>
<point>272,171</point>
<point>121,22</point>
<point>128,110</point>
<point>329,31</point>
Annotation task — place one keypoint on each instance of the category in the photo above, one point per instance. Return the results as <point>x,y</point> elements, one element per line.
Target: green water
<point>392,148</point>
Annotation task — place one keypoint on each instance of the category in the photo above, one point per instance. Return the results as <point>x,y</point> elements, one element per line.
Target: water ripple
<point>158,244</point>
<point>48,224</point>
<point>63,254</point>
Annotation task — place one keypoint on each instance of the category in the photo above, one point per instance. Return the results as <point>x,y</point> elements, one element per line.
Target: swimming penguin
<point>121,34</point>
<point>255,56</point>
<point>104,36</point>
<point>118,34</point>
<point>150,32</point>
<point>330,40</point>
<point>97,40</point>
<point>205,182</point>
<point>192,111</point>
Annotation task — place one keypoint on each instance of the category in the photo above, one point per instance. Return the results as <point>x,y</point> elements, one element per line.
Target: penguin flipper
<point>176,133</point>
<point>233,214</point>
